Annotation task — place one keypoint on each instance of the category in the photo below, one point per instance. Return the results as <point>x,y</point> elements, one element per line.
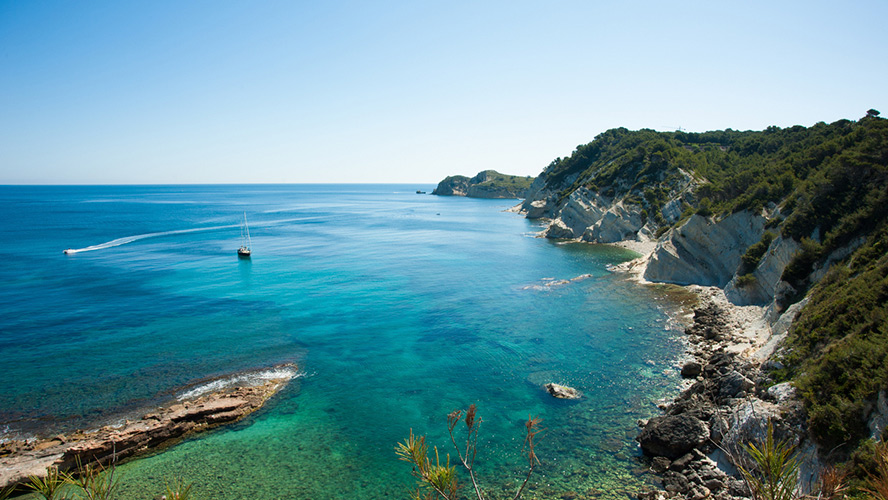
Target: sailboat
<point>244,251</point>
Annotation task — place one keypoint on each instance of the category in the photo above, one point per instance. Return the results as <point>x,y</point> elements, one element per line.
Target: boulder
<point>562,391</point>
<point>559,230</point>
<point>691,369</point>
<point>660,464</point>
<point>673,435</point>
<point>680,463</point>
<point>782,392</point>
<point>733,384</point>
<point>674,482</point>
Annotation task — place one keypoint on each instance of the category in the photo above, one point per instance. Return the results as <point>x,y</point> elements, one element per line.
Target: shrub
<point>52,486</point>
<point>437,479</point>
<point>877,483</point>
<point>775,474</point>
<point>745,281</point>
<point>755,252</point>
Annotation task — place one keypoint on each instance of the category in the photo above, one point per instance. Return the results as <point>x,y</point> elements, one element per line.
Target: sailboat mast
<point>247,229</point>
<point>244,251</point>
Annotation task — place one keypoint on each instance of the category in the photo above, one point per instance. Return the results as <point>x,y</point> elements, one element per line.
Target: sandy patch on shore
<point>645,248</point>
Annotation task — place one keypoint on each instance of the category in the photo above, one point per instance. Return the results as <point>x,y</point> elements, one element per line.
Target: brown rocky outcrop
<point>166,425</point>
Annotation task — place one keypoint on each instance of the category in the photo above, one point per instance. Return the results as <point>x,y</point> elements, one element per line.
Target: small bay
<point>396,307</point>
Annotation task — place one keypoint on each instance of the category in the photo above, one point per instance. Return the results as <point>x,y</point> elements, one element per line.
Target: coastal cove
<point>396,307</point>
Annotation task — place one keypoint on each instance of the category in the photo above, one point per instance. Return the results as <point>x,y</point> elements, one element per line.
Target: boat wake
<point>130,239</point>
<point>137,237</point>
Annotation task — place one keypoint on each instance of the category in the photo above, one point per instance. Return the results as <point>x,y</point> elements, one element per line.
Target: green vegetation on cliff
<point>838,347</point>
<point>822,166</point>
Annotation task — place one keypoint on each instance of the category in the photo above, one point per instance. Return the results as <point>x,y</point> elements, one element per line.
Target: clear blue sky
<point>289,91</point>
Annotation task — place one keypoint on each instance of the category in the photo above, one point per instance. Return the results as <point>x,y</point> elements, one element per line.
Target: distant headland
<point>487,184</point>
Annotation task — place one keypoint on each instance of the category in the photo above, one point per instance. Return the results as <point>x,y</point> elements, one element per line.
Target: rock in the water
<point>160,428</point>
<point>673,435</point>
<point>562,391</point>
<point>691,369</point>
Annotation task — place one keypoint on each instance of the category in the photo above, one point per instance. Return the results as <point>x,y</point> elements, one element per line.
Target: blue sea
<point>395,307</point>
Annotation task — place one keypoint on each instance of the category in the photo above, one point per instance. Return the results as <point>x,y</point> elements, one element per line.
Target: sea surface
<point>395,307</point>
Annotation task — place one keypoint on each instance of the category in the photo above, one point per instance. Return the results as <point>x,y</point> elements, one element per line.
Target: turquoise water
<point>396,307</point>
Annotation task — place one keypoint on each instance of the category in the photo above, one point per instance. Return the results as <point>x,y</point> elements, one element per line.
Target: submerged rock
<point>562,391</point>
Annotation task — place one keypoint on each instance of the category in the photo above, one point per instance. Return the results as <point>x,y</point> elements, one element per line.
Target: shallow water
<point>397,308</point>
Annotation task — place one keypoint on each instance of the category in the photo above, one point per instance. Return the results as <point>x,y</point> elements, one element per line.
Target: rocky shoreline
<point>695,445</point>
<point>726,399</point>
<point>165,426</point>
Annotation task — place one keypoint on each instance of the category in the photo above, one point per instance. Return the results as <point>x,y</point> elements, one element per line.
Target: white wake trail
<point>130,239</point>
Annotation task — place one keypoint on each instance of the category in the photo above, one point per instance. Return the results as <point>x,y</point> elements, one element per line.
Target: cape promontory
<point>487,184</point>
<point>790,227</point>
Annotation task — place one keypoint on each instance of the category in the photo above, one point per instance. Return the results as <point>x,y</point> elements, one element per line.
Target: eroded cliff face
<point>454,185</point>
<point>703,251</point>
<point>766,283</point>
<point>591,216</point>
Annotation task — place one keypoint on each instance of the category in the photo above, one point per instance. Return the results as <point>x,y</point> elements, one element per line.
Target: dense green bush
<point>839,345</point>
<point>755,252</point>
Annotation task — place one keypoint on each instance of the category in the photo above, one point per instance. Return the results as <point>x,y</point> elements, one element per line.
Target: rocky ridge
<point>20,459</point>
<point>753,221</point>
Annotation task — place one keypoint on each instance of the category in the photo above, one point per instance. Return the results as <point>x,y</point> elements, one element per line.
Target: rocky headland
<point>20,459</point>
<point>754,239</point>
<point>487,184</point>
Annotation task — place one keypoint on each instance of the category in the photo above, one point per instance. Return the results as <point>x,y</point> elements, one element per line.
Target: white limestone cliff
<point>703,251</point>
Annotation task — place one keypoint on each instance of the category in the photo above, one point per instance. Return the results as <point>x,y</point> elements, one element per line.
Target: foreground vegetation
<point>439,480</point>
<point>89,482</point>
